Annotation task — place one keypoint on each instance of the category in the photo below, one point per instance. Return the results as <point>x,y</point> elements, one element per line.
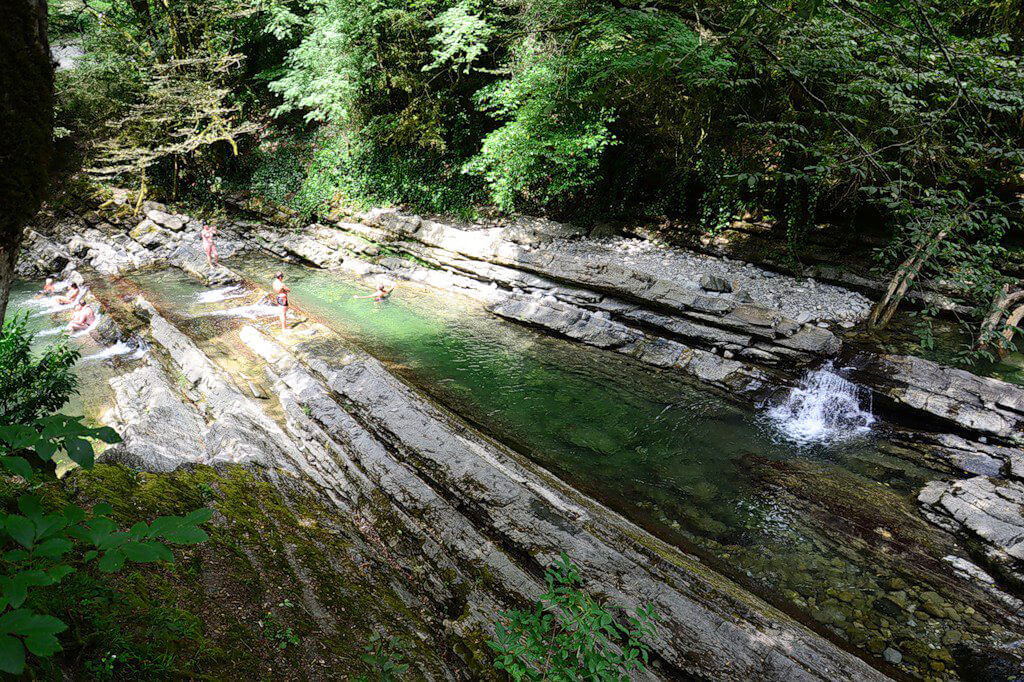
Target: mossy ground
<point>283,590</point>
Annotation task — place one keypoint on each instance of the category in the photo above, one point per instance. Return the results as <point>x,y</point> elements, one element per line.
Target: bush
<point>41,546</point>
<point>32,386</point>
<point>569,635</point>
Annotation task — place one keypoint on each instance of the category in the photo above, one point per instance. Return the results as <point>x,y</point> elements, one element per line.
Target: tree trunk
<point>26,127</point>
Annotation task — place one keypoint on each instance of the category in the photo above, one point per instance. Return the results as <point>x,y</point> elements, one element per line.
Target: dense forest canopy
<point>904,113</point>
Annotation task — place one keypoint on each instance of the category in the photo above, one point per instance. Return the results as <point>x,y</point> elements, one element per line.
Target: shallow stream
<point>827,529</point>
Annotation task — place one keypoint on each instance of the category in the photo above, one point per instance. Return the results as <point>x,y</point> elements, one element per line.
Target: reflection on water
<point>827,530</point>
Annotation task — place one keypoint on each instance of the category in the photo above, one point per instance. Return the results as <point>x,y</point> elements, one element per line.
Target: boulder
<point>716,283</point>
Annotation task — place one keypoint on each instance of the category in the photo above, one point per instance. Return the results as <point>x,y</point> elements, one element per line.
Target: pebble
<point>892,656</point>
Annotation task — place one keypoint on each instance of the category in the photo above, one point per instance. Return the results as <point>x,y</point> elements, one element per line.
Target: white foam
<point>50,306</point>
<point>250,312</point>
<point>119,348</point>
<point>825,407</point>
<point>222,294</point>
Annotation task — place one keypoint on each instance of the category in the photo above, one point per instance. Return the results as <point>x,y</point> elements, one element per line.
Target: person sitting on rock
<point>281,296</point>
<point>207,232</point>
<point>383,292</point>
<point>82,317</point>
<point>71,296</point>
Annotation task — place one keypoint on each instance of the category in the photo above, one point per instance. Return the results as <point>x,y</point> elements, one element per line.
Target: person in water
<point>71,296</point>
<point>382,293</point>
<point>82,317</point>
<point>48,287</point>
<point>281,296</point>
<point>206,233</point>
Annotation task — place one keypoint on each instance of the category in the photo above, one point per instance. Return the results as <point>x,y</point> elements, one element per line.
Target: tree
<point>26,127</point>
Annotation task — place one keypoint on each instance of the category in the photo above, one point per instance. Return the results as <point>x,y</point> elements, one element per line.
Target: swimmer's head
<point>79,305</point>
<point>279,275</point>
<point>49,280</point>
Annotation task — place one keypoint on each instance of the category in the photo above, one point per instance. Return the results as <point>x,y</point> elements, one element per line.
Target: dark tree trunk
<point>26,126</point>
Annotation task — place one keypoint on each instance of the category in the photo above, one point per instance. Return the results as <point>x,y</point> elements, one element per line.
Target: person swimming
<point>383,292</point>
<point>206,233</point>
<point>281,296</point>
<point>71,296</point>
<point>82,317</point>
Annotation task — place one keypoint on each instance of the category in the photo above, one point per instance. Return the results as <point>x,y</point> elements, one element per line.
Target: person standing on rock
<point>281,296</point>
<point>207,232</point>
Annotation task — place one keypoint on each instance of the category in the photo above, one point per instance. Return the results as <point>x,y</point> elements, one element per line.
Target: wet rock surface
<point>988,512</point>
<point>479,521</point>
<point>982,405</point>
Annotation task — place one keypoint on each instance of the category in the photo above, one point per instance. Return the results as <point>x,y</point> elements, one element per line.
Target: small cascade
<point>136,350</point>
<point>824,407</point>
<point>250,312</point>
<point>222,294</point>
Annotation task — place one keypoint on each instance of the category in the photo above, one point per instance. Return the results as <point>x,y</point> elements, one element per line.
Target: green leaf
<point>30,506</point>
<point>52,548</point>
<point>12,655</point>
<point>142,552</point>
<point>111,561</point>
<point>80,451</point>
<point>74,514</point>
<point>107,435</point>
<point>21,529</point>
<point>42,645</point>
<point>18,466</point>
<point>103,509</point>
<point>199,516</point>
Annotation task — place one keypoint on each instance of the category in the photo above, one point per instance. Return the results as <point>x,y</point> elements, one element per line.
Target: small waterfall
<point>222,294</point>
<point>251,312</point>
<point>824,407</point>
<point>137,350</point>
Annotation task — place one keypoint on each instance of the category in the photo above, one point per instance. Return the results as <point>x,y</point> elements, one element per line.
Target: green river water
<point>829,532</point>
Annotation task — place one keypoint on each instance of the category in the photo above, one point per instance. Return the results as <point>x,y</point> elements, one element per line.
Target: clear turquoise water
<point>822,531</point>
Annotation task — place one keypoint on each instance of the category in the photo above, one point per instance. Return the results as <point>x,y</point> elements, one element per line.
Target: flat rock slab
<point>989,511</point>
<point>980,404</point>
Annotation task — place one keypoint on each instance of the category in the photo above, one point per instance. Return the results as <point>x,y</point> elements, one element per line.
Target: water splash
<point>824,407</point>
<point>50,306</point>
<point>222,294</point>
<point>51,332</point>
<point>251,312</point>
<point>83,332</point>
<point>120,348</point>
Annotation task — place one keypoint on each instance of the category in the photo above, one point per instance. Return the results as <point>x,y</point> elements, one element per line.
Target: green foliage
<point>385,659</point>
<point>43,544</point>
<point>569,635</point>
<point>38,541</point>
<point>32,385</point>
<point>279,635</point>
<point>903,113</point>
